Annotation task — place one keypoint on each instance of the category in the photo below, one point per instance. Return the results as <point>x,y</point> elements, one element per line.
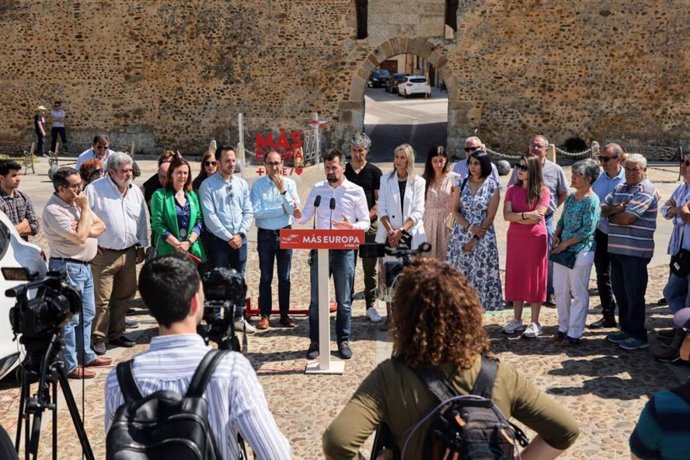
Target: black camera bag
<point>164,424</point>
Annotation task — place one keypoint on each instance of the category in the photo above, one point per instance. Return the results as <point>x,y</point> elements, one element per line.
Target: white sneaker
<point>373,315</point>
<point>513,327</point>
<point>240,325</point>
<point>533,331</point>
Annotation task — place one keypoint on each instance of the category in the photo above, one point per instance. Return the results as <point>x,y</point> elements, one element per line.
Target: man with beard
<point>120,248</point>
<point>349,211</point>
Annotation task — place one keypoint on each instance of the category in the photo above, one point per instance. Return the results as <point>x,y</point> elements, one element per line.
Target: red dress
<point>526,250</point>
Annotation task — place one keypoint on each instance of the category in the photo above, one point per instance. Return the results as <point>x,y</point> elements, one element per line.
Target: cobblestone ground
<point>603,386</point>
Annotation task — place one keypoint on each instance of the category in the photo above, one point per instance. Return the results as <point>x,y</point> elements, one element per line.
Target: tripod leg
<point>74,411</point>
<point>22,401</point>
<point>55,414</point>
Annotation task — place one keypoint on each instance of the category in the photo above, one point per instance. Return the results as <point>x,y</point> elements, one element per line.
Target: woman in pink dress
<point>525,204</point>
<point>440,184</point>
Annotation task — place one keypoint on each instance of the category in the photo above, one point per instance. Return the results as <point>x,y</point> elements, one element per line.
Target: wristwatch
<point>242,235</point>
<point>283,193</point>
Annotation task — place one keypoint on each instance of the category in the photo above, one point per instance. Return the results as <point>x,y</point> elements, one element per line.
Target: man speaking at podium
<point>335,203</point>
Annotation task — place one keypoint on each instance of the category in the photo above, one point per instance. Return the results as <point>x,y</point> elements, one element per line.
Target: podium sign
<point>322,241</point>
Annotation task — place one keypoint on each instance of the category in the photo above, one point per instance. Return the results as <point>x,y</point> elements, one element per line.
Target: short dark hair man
<point>172,291</point>
<point>14,203</point>
<point>71,229</point>
<point>350,212</point>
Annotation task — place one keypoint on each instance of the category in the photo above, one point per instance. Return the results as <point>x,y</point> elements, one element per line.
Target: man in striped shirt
<point>631,210</point>
<point>171,289</point>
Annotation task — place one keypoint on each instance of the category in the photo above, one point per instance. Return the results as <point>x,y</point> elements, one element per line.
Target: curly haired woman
<point>437,322</point>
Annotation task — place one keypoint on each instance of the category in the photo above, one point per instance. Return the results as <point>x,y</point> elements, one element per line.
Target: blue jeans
<point>550,230</point>
<point>342,267</point>
<point>222,255</point>
<point>629,283</point>
<point>80,278</point>
<point>268,247</point>
<point>676,292</point>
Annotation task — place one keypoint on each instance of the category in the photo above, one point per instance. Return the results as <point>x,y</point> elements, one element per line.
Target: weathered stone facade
<point>176,73</point>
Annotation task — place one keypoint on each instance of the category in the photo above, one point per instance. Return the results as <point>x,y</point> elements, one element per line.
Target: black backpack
<point>470,426</point>
<point>164,424</point>
<point>462,426</point>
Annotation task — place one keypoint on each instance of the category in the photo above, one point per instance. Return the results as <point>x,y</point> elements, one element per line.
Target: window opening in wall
<point>405,102</point>
<point>575,144</point>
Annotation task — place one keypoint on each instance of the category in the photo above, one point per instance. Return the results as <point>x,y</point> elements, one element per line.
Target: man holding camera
<point>276,204</point>
<point>172,291</point>
<point>337,203</point>
<point>71,229</point>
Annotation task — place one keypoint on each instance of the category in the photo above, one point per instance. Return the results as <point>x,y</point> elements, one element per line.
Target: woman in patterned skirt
<point>472,248</point>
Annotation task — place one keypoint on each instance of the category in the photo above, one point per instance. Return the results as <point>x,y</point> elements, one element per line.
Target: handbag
<point>566,258</point>
<point>680,263</point>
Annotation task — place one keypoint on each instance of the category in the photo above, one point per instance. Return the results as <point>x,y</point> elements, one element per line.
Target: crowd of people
<point>98,225</point>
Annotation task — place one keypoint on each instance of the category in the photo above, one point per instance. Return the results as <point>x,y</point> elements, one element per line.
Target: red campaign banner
<point>320,239</point>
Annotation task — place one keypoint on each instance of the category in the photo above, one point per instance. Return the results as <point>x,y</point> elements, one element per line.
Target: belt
<point>272,232</point>
<point>73,261</point>
<point>101,248</point>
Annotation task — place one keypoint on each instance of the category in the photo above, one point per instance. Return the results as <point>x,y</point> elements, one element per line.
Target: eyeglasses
<point>76,187</point>
<point>606,159</point>
<point>471,149</point>
<point>272,163</point>
<point>99,147</point>
<point>210,163</point>
<point>522,167</point>
<point>231,194</point>
<point>538,146</point>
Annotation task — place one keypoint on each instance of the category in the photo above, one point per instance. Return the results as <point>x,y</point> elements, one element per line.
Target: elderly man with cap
<point>663,429</point>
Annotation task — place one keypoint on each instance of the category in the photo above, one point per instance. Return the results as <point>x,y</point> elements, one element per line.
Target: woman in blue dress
<point>472,247</point>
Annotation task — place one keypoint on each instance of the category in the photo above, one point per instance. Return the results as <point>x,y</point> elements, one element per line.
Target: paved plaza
<point>603,386</point>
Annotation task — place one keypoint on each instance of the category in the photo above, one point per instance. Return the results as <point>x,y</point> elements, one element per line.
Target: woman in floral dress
<point>472,248</point>
<point>440,184</point>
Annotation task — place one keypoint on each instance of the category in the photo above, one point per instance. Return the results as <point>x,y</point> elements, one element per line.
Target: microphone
<point>317,202</point>
<point>331,205</point>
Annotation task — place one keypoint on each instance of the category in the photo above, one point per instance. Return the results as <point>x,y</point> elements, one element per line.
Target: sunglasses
<point>100,147</point>
<point>606,159</point>
<point>471,149</point>
<point>521,167</point>
<point>210,163</point>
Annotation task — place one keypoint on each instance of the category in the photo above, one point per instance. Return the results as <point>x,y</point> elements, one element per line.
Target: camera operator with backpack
<point>181,393</point>
<point>443,394</point>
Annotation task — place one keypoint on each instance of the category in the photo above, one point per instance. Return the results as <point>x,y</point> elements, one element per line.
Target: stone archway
<point>432,49</point>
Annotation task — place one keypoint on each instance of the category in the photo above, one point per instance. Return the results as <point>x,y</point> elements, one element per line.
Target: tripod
<point>51,373</point>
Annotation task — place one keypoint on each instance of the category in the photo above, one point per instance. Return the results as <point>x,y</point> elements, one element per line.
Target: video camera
<point>223,289</point>
<point>40,317</point>
<point>393,268</point>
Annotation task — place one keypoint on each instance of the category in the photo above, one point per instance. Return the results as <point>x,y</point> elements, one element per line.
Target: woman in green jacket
<point>176,215</point>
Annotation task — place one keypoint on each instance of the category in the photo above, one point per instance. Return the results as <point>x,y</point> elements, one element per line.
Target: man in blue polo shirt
<point>276,205</point>
<point>611,159</point>
<point>631,211</point>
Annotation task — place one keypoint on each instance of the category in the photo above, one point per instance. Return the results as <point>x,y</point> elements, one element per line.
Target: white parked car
<point>414,84</point>
<point>19,262</point>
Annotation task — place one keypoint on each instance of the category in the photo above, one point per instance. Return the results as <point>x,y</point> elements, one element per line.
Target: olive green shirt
<point>392,393</point>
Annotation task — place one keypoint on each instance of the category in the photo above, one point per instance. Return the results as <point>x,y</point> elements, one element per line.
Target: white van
<point>19,262</point>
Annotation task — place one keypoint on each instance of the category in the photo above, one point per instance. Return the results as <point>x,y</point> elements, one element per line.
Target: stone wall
<point>177,73</point>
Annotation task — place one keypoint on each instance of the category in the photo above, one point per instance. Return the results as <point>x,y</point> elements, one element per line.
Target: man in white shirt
<point>57,118</point>
<point>99,150</point>
<point>120,248</point>
<point>340,205</point>
<point>172,291</point>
